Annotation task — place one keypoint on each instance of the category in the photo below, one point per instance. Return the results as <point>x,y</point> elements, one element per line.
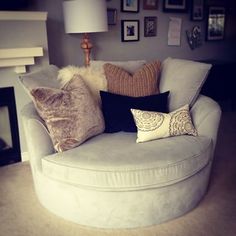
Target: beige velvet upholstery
<point>184,80</point>
<point>43,77</point>
<point>175,159</point>
<point>112,182</point>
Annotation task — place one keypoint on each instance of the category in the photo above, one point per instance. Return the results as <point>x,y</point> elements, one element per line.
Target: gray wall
<point>65,49</point>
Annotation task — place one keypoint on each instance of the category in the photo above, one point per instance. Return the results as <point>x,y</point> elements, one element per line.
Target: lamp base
<point>86,45</point>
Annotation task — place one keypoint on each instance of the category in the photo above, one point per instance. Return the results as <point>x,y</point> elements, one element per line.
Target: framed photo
<point>215,23</point>
<point>129,30</point>
<point>111,16</point>
<point>130,6</point>
<point>150,4</point>
<point>197,10</point>
<point>194,37</point>
<point>150,26</point>
<point>175,6</point>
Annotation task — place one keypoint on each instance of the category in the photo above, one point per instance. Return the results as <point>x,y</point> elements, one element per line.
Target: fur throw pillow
<point>94,79</point>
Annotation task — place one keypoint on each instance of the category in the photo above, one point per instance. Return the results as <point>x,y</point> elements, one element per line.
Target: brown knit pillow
<point>144,82</point>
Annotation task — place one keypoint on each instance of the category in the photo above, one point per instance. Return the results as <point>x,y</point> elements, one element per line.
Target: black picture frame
<point>131,6</point>
<point>216,17</point>
<point>129,30</point>
<point>150,26</point>
<point>177,6</point>
<point>197,10</point>
<point>111,16</point>
<point>150,4</point>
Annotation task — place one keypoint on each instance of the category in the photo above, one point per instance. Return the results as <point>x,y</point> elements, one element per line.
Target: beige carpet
<point>22,215</point>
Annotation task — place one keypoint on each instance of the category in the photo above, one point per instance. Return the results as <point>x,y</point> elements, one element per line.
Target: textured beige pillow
<point>184,79</point>
<point>144,82</point>
<point>43,77</point>
<point>155,125</point>
<point>94,78</point>
<point>70,113</point>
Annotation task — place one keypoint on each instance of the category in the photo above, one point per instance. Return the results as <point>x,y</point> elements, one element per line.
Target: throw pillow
<point>44,77</point>
<point>184,80</point>
<point>70,113</point>
<point>155,125</point>
<point>94,78</point>
<point>130,66</point>
<point>144,82</point>
<point>116,109</point>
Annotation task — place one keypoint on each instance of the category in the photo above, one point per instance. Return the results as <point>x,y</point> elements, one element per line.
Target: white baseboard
<point>24,156</point>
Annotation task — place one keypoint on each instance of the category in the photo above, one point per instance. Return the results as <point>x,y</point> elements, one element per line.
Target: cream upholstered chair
<point>110,181</point>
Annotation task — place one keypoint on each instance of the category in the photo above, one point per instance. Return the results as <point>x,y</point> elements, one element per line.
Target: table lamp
<point>85,16</point>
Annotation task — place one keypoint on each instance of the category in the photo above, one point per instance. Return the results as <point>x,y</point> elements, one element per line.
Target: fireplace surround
<point>9,134</point>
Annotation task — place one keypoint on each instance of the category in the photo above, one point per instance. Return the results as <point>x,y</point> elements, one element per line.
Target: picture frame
<point>131,6</point>
<point>194,37</point>
<point>129,30</point>
<point>197,10</point>
<point>178,6</point>
<point>150,26</point>
<point>150,4</point>
<point>111,16</point>
<point>215,23</point>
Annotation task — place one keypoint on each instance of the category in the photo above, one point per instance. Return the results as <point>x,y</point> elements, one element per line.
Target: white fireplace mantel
<point>23,46</point>
<point>19,58</point>
<point>23,15</point>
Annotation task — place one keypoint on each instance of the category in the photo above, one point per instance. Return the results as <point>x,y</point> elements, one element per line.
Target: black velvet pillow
<point>117,114</point>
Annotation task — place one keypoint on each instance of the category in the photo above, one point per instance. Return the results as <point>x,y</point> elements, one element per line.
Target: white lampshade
<point>85,16</point>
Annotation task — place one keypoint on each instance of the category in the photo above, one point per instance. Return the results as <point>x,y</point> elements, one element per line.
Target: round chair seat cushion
<point>115,162</point>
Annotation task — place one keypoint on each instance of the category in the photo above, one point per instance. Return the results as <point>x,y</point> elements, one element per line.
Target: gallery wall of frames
<point>212,14</point>
<point>150,29</point>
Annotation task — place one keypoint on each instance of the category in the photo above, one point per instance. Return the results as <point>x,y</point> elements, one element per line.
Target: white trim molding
<point>24,156</point>
<point>19,58</point>
<point>23,15</point>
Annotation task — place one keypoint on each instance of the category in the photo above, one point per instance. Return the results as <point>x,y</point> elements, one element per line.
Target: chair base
<point>121,209</point>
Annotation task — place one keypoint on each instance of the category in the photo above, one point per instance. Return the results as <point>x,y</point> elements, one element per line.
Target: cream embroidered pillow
<point>155,125</point>
<point>144,82</point>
